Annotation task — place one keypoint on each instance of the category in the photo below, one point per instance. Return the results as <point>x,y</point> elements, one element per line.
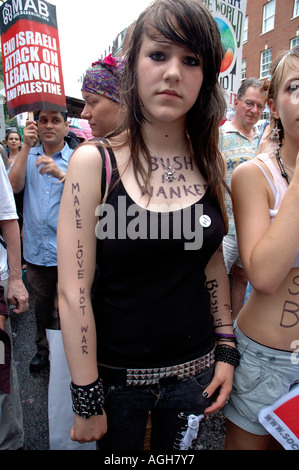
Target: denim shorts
<point>262,377</point>
<point>231,252</point>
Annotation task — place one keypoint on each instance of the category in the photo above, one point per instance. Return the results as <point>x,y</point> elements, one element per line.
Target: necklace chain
<point>168,170</point>
<point>282,167</point>
<point>288,168</point>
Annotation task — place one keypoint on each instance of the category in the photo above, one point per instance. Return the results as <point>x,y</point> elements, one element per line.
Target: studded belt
<point>150,376</point>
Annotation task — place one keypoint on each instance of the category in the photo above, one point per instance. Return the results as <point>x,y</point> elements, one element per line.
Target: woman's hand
<point>88,430</point>
<point>222,380</point>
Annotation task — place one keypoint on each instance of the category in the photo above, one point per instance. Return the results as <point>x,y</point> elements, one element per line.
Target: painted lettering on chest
<point>178,192</point>
<point>173,178</point>
<point>177,163</point>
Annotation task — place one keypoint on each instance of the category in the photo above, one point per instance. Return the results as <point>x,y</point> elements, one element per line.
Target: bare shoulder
<point>246,172</point>
<point>85,171</point>
<point>86,154</point>
<point>248,181</point>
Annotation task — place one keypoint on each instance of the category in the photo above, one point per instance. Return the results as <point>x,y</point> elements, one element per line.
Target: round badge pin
<point>205,220</point>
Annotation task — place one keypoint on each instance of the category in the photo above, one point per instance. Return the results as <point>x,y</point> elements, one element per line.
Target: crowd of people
<point>140,243</point>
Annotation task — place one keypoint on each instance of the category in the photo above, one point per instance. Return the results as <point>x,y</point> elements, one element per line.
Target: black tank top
<point>150,302</point>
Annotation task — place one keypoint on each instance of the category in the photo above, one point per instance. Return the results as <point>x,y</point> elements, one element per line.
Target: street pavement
<point>34,392</point>
<point>33,386</point>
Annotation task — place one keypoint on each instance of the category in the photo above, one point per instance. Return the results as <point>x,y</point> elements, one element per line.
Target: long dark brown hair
<point>187,23</point>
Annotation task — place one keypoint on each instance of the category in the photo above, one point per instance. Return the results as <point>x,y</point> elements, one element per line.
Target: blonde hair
<point>282,60</point>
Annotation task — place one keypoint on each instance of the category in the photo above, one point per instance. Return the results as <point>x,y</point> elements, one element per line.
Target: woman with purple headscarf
<point>101,93</point>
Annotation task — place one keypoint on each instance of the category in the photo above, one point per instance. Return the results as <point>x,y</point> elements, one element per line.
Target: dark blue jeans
<point>170,404</point>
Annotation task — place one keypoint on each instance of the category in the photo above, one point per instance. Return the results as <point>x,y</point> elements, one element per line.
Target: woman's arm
<point>260,242</point>
<point>76,250</point>
<point>17,294</point>
<point>217,284</point>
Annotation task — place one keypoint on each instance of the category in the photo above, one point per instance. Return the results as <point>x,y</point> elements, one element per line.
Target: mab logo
<point>17,7</point>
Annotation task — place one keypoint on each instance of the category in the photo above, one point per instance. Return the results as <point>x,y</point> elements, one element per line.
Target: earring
<point>274,136</point>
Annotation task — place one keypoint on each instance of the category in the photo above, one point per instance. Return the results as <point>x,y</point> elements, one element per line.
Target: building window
<point>296,8</point>
<point>245,30</point>
<point>266,59</point>
<point>294,42</point>
<point>243,69</point>
<point>269,16</point>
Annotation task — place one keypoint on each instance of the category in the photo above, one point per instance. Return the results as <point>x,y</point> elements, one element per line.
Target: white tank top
<point>278,188</point>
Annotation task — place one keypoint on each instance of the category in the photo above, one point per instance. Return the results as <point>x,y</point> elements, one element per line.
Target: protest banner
<point>281,419</point>
<point>31,60</point>
<point>229,16</point>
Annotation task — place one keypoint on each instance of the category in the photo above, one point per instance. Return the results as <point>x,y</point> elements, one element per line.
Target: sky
<point>86,29</point>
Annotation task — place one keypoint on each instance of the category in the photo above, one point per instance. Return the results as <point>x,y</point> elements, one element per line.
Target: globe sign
<point>228,44</point>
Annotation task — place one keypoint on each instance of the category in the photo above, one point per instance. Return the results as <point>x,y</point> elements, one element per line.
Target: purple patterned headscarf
<point>104,77</point>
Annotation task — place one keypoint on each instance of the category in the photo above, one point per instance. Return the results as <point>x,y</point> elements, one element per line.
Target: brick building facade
<point>270,26</point>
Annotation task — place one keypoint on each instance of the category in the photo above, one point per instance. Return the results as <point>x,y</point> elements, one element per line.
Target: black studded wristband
<point>88,400</point>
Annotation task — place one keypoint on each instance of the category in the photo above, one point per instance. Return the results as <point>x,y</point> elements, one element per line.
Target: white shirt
<point>7,212</point>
